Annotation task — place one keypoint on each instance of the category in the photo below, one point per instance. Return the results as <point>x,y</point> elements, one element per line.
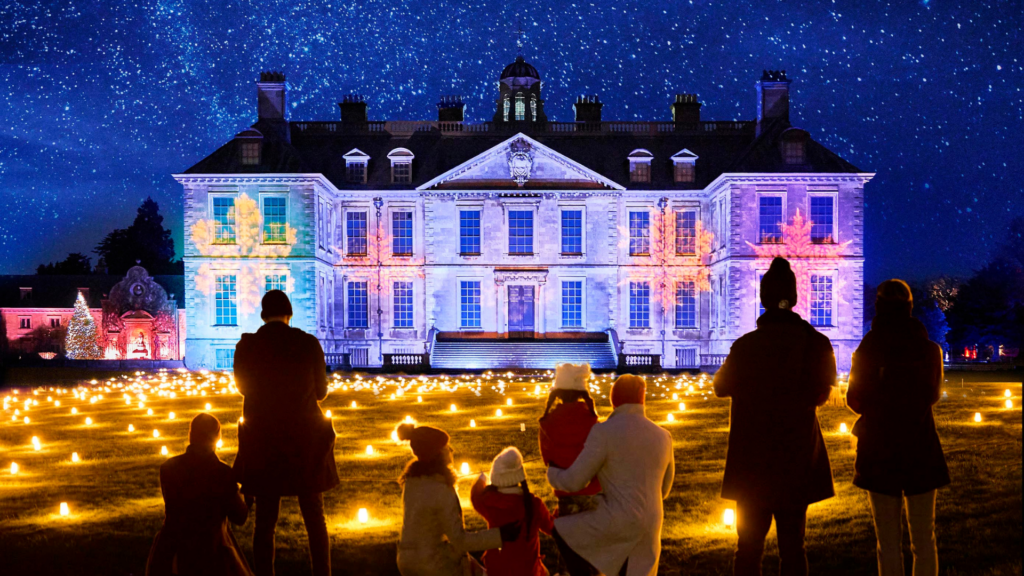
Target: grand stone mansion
<point>521,241</point>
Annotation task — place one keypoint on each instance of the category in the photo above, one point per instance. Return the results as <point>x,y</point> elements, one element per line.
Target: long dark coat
<point>285,445</point>
<point>895,380</point>
<point>200,496</point>
<point>777,376</point>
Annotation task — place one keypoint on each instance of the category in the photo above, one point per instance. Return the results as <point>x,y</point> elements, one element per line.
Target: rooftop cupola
<point>519,98</point>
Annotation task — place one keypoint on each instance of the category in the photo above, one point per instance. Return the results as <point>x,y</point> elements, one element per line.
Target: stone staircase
<point>535,355</point>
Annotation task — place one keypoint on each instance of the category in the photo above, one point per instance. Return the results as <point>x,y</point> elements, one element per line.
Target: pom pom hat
<point>778,286</point>
<point>507,468</point>
<point>572,377</point>
<point>628,389</point>
<point>426,442</point>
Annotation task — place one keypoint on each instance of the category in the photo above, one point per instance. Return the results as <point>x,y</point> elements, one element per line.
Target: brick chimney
<point>271,101</point>
<point>451,109</point>
<point>588,109</point>
<point>772,97</point>
<point>686,109</point>
<point>353,109</point>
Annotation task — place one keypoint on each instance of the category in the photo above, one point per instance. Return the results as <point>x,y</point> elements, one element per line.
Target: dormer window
<point>26,294</point>
<point>355,166</point>
<point>250,143</point>
<point>401,166</point>
<point>640,166</point>
<point>794,146</point>
<point>684,164</point>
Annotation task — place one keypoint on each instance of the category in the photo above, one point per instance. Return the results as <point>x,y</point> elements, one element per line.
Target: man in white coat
<point>632,457</point>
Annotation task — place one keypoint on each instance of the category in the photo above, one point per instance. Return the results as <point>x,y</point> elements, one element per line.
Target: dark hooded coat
<point>777,376</point>
<point>895,379</point>
<point>285,444</point>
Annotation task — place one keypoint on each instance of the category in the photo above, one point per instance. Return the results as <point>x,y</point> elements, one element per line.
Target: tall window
<point>639,304</point>
<point>469,297</point>
<point>640,172</point>
<point>684,172</point>
<point>401,172</point>
<point>770,219</point>
<point>686,232</point>
<point>505,107</point>
<point>225,300</point>
<point>572,304</point>
<point>822,218</point>
<point>572,231</point>
<point>520,107</point>
<point>356,171</point>
<point>639,233</point>
<point>275,282</point>
<point>686,305</point>
<point>355,232</point>
<point>469,231</point>
<point>403,304</point>
<point>225,358</point>
<point>401,233</point>
<point>358,310</point>
<point>533,108</point>
<point>224,220</point>
<point>54,322</point>
<point>821,300</point>
<point>520,232</point>
<point>251,153</point>
<point>275,217</point>
<point>24,323</point>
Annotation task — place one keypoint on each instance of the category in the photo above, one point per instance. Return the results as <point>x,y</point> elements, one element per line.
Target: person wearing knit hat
<point>200,497</point>
<point>434,540</point>
<point>633,459</point>
<point>508,499</point>
<point>776,463</point>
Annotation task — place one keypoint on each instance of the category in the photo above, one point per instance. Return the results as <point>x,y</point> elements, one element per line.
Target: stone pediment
<point>520,162</point>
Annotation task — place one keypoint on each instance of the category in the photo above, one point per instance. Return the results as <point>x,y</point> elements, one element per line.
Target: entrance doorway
<point>520,312</point>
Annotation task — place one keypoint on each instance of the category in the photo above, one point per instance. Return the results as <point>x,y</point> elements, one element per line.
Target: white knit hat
<point>507,468</point>
<point>572,376</point>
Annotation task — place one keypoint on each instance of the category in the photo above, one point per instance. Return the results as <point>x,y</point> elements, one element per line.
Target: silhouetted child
<point>508,499</point>
<point>200,496</point>
<point>564,427</point>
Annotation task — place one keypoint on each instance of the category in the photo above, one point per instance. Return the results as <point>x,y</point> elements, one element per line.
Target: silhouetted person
<point>895,380</point>
<point>777,465</point>
<point>633,459</point>
<point>285,444</point>
<point>200,496</point>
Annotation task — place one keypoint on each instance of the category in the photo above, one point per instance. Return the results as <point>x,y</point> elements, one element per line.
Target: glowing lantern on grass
<point>149,412</point>
<point>163,451</point>
<point>363,516</point>
<point>522,427</point>
<point>141,405</point>
<point>671,417</point>
<point>508,402</point>
<point>156,433</point>
<point>409,420</point>
<point>419,398</point>
<point>454,408</point>
<point>1009,404</point>
<point>328,414</point>
<point>353,405</point>
<point>729,518</point>
<point>74,410</point>
<point>394,436</point>
<point>464,468</point>
<point>472,423</point>
<point>977,416</point>
<point>675,396</point>
<point>682,406</point>
<point>171,416</point>
<point>220,443</point>
<point>36,445</point>
<point>74,457</point>
<point>131,428</point>
<point>64,510</point>
<point>1008,394</point>
<point>209,407</point>
<point>843,429</point>
<point>369,450</point>
<point>26,420</point>
<point>88,421</point>
<point>14,468</point>
<point>57,403</point>
<point>498,412</point>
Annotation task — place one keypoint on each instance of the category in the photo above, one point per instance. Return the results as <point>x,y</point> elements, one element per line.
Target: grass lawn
<point>115,506</point>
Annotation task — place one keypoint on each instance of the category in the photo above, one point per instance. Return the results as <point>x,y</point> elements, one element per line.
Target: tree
<point>146,242</point>
<point>80,343</point>
<point>928,310</point>
<point>75,263</point>
<point>49,338</point>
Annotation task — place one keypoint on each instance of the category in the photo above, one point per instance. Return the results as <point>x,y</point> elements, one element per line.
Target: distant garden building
<point>520,241</point>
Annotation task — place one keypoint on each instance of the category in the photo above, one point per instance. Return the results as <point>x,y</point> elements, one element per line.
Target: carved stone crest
<point>520,160</point>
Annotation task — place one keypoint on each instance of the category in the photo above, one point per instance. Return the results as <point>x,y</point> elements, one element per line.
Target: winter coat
<point>434,540</point>
<point>895,380</point>
<point>633,458</point>
<point>285,445</point>
<point>777,376</point>
<point>563,432</point>
<point>522,557</point>
<point>200,496</point>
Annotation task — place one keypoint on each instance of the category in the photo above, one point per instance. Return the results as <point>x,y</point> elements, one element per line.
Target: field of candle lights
<point>79,488</point>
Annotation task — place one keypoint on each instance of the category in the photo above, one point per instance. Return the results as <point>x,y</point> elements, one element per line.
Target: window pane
<point>469,295</point>
<point>224,220</point>
<point>821,300</point>
<point>770,229</point>
<point>250,153</point>
<point>275,282</point>
<point>639,305</point>
<point>401,172</point>
<point>686,232</point>
<point>686,305</point>
<point>684,172</point>
<point>403,304</point>
<point>793,152</point>
<point>358,313</point>
<point>520,232</point>
<point>639,171</point>
<point>572,304</point>
<point>274,219</point>
<point>520,108</point>
<point>226,301</point>
<point>639,233</point>
<point>225,359</point>
<point>572,231</point>
<point>822,211</point>
<point>401,229</point>
<point>355,230</point>
<point>356,171</point>
<point>469,232</point>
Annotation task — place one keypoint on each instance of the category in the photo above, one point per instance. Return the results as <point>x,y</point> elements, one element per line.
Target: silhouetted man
<point>285,445</point>
<point>777,465</point>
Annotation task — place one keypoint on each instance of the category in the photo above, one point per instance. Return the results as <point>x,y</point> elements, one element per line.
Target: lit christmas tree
<point>80,342</point>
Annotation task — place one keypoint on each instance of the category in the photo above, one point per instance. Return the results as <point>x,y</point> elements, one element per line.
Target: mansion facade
<point>399,237</point>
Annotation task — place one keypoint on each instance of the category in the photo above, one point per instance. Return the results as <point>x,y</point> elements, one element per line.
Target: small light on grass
<point>472,423</point>
<point>394,436</point>
<point>75,458</point>
<point>14,468</point>
<point>977,416</point>
<point>163,451</point>
<point>419,398</point>
<point>74,410</point>
<point>328,414</point>
<point>156,433</point>
<point>682,406</point>
<point>64,510</point>
<point>1009,404</point>
<point>149,412</point>
<point>220,443</point>
<point>675,396</point>
<point>131,428</point>
<point>454,408</point>
<point>409,420</point>
<point>508,402</point>
<point>209,407</point>
<point>729,518</point>
<point>843,429</point>
<point>498,412</point>
<point>464,469</point>
<point>369,450</point>
<point>88,421</point>
<point>1008,394</point>
<point>671,417</point>
<point>353,405</point>
<point>363,516</point>
<point>26,420</point>
<point>171,416</point>
<point>522,427</point>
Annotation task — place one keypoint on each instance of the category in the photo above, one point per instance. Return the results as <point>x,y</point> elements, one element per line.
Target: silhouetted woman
<point>895,380</point>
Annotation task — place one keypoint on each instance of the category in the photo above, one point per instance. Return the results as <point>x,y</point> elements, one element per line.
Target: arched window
<point>505,107</point>
<point>520,108</point>
<point>533,107</point>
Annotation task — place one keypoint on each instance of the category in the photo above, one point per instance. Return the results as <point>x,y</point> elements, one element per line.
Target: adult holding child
<point>632,457</point>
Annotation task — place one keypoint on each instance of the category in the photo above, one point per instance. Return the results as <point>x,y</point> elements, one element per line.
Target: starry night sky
<point>103,101</point>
